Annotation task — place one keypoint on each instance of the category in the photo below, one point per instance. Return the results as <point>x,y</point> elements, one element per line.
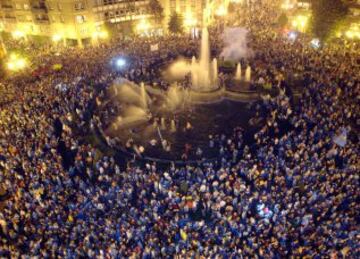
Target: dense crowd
<point>293,193</point>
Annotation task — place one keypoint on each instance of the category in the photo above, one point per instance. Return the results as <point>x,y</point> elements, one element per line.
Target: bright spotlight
<point>120,62</point>
<point>221,11</point>
<point>292,35</point>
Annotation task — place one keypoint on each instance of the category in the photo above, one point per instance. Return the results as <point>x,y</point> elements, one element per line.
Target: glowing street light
<point>350,34</point>
<point>120,62</point>
<point>100,34</point>
<point>16,63</point>
<point>18,34</point>
<point>56,38</point>
<point>143,26</point>
<point>300,22</point>
<point>103,34</point>
<point>287,5</point>
<point>353,32</point>
<point>189,20</point>
<point>221,11</point>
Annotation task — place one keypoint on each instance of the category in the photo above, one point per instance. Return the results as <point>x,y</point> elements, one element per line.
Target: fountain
<point>164,120</point>
<point>238,72</point>
<point>173,126</point>
<point>174,97</point>
<point>143,96</point>
<point>215,71</point>
<point>163,126</point>
<point>248,74</point>
<point>204,73</point>
<point>132,116</point>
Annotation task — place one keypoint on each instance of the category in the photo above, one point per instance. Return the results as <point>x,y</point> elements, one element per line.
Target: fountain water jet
<point>143,96</point>
<point>163,126</point>
<point>204,74</point>
<point>132,116</point>
<point>238,72</point>
<point>215,70</point>
<point>172,126</point>
<point>248,74</point>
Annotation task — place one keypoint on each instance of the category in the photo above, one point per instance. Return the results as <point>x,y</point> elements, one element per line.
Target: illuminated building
<point>192,10</point>
<point>82,22</point>
<point>69,21</point>
<point>354,7</point>
<point>120,15</point>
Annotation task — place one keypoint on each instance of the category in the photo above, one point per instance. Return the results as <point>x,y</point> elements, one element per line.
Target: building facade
<point>84,21</point>
<point>122,16</point>
<point>66,20</point>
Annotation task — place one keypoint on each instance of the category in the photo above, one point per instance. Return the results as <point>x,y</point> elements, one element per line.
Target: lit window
<point>79,6</point>
<point>20,18</point>
<point>26,6</point>
<point>80,18</point>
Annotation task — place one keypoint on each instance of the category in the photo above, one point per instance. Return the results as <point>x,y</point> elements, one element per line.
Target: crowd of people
<point>294,193</point>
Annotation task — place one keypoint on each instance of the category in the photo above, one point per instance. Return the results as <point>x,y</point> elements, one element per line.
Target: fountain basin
<point>181,117</point>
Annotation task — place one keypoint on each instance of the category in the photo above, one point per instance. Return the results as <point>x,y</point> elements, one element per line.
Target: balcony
<point>39,6</point>
<point>6,6</point>
<point>10,19</point>
<point>42,21</point>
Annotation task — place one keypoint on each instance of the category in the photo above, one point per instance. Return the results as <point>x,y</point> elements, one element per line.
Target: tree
<point>283,20</point>
<point>327,16</point>
<point>176,23</point>
<point>156,9</point>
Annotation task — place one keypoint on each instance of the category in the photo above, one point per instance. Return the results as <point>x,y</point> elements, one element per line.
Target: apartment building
<point>354,8</point>
<point>121,15</point>
<point>68,20</point>
<point>83,21</point>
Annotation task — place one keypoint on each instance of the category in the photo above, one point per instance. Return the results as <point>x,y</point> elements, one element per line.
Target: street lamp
<point>189,20</point>
<point>18,34</point>
<point>100,35</point>
<point>16,63</point>
<point>56,38</point>
<point>221,11</point>
<point>353,32</point>
<point>300,22</point>
<point>287,5</point>
<point>143,26</point>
